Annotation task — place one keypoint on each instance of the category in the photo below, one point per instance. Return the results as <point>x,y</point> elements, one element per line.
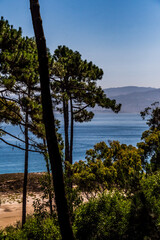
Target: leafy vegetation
<point>113,215</point>
<point>109,166</point>
<point>105,217</point>
<point>35,228</point>
<point>151,139</point>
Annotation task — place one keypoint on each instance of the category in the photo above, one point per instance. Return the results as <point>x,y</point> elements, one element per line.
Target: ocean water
<point>124,127</point>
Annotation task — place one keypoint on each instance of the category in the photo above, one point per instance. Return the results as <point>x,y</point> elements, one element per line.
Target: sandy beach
<point>11,211</point>
<point>11,186</point>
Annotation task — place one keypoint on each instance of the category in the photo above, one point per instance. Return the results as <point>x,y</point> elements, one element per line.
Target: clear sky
<point>120,36</point>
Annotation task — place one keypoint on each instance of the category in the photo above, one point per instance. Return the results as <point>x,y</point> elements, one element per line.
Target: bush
<point>144,221</point>
<point>13,233</point>
<point>38,229</point>
<point>1,234</point>
<point>34,229</point>
<point>151,189</point>
<point>103,218</point>
<point>107,166</point>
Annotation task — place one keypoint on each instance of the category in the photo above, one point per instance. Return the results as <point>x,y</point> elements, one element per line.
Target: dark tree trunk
<point>66,126</point>
<point>69,173</point>
<point>49,179</point>
<point>71,133</point>
<point>48,117</point>
<point>25,171</point>
<point>50,185</point>
<point>50,192</point>
<point>67,146</point>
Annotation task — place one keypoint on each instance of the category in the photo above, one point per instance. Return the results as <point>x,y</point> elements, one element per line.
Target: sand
<point>11,209</point>
<point>11,188</point>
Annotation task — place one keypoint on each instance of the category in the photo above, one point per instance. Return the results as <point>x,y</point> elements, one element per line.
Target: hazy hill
<point>126,90</point>
<point>133,99</point>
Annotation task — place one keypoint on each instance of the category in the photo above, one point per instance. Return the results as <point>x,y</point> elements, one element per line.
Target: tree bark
<point>66,125</point>
<point>48,117</point>
<point>49,179</point>
<point>50,193</point>
<point>25,171</point>
<point>71,132</point>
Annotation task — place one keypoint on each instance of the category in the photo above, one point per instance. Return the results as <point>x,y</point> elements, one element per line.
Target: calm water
<point>126,128</point>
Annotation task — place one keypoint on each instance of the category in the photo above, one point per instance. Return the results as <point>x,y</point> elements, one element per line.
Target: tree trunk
<point>71,133</point>
<point>66,126</point>
<point>25,171</point>
<point>48,117</point>
<point>49,179</point>
<point>50,192</point>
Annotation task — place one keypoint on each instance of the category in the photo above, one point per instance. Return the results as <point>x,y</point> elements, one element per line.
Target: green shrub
<point>1,234</point>
<point>144,221</point>
<point>13,233</point>
<point>34,229</point>
<point>103,218</point>
<point>41,229</point>
<point>151,189</point>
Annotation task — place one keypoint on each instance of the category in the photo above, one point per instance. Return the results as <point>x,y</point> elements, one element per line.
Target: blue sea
<point>124,127</point>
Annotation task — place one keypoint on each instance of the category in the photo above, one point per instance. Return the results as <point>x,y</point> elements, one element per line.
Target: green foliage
<point>151,149</point>
<point>9,112</point>
<point>38,229</point>
<point>116,216</point>
<point>1,234</point>
<point>105,217</point>
<point>19,59</point>
<point>41,206</point>
<point>92,177</point>
<point>73,193</point>
<point>152,115</point>
<point>35,228</point>
<point>113,215</point>
<point>127,162</point>
<point>75,79</point>
<point>144,221</point>
<point>151,139</point>
<point>46,186</point>
<point>19,77</point>
<point>74,86</point>
<point>107,166</point>
<point>108,216</point>
<point>151,189</point>
<point>140,222</point>
<point>13,233</point>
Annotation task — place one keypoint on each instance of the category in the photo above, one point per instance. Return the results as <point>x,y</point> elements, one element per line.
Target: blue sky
<point>120,36</point>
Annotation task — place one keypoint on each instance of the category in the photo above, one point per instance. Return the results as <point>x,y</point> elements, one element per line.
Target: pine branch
<point>14,145</point>
<point>81,109</point>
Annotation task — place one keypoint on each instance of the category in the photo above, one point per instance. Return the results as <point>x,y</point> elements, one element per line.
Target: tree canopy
<point>75,91</point>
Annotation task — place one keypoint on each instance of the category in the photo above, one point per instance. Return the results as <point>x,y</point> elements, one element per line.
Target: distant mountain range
<point>133,99</point>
